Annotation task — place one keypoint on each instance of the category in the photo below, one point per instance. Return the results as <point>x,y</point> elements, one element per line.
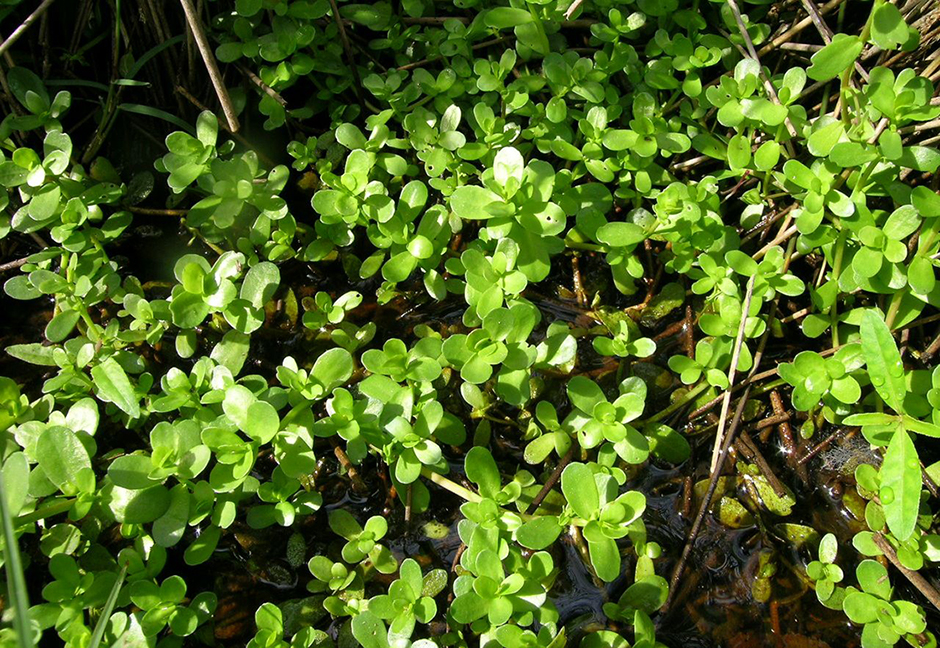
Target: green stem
<point>682,402</point>
<point>836,270</point>
<point>929,237</point>
<point>43,512</point>
<point>470,496</point>
<point>893,308</point>
<point>449,485</point>
<point>866,30</point>
<point>766,387</point>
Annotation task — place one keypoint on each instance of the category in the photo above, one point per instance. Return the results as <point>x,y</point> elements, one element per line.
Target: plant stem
<point>47,511</point>
<point>681,402</point>
<point>19,31</point>
<point>202,43</point>
<point>893,308</point>
<point>449,485</point>
<point>836,270</point>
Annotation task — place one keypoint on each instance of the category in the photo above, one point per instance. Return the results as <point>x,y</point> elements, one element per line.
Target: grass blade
<point>16,581</point>
<point>149,54</point>
<point>156,112</point>
<point>102,624</point>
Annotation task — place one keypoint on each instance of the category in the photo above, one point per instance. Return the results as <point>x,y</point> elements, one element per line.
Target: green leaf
<point>262,422</point>
<point>828,547</point>
<point>481,470</point>
<point>883,360</point>
<point>605,558</point>
<point>61,326</point>
<point>579,488</point>
<point>585,394</point>
<point>900,485</point>
<point>350,136</point>
<point>871,418</point>
<point>835,57</point>
<point>888,29</point>
<point>202,547</point>
<point>767,156</point>
<point>168,529</point>
<point>739,152</point>
<point>921,427</point>
<point>63,458</point>
<point>926,202</point>
<point>468,607</point>
<point>620,235</point>
<point>207,128</point>
<point>260,284</point>
<point>920,158</point>
<point>138,506</point>
<point>539,533</point>
<point>369,630</point>
<point>131,472</point>
<point>332,368</point>
<point>471,202</point>
<point>504,17</point>
<point>113,386</point>
<point>188,310</point>
<point>921,275</point>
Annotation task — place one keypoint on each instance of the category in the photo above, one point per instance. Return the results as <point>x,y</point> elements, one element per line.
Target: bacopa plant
<point>517,323</point>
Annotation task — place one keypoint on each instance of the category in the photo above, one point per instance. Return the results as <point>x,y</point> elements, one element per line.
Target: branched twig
<point>798,27</point>
<point>570,11</point>
<point>192,18</point>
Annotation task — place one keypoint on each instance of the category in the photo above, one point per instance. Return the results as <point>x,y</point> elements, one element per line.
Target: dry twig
<point>19,31</point>
<point>192,18</point>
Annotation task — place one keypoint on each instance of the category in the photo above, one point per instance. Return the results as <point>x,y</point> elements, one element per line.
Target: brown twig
<point>822,445</point>
<point>825,32</point>
<point>268,90</point>
<point>13,265</point>
<point>147,211</point>
<point>19,31</point>
<point>770,421</point>
<point>797,28</point>
<point>238,136</point>
<point>918,581</point>
<point>481,45</point>
<point>551,481</point>
<point>347,49</point>
<point>192,19</point>
<point>576,280</point>
<point>344,461</point>
<point>746,446</point>
<point>706,502</point>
